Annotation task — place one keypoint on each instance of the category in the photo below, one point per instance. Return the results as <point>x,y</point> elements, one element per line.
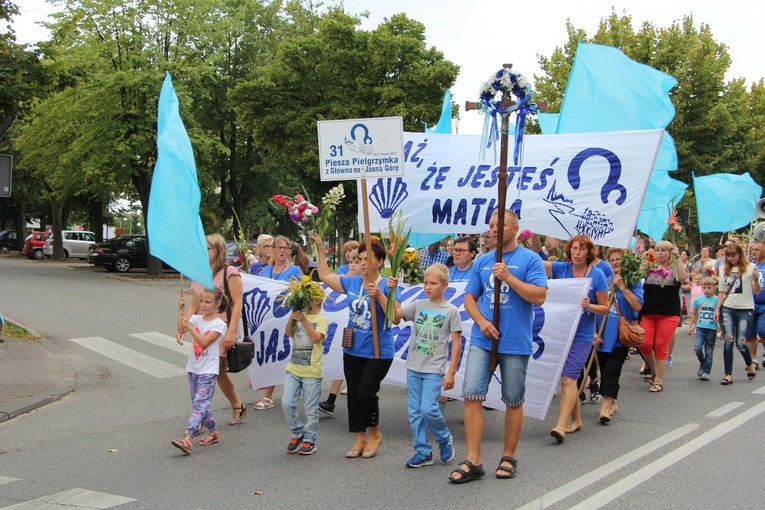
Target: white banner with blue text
<point>569,184</point>
<point>553,330</point>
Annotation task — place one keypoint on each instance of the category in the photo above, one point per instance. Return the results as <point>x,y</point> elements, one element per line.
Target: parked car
<point>34,244</point>
<point>232,252</point>
<point>9,241</point>
<point>76,244</point>
<point>121,253</point>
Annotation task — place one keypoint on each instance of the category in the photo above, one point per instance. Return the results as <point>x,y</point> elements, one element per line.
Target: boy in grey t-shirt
<point>435,323</point>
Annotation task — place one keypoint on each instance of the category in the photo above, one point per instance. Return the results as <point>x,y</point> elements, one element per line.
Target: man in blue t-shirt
<point>757,324</point>
<point>523,285</point>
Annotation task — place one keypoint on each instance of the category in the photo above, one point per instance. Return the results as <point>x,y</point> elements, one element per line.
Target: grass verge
<point>14,331</point>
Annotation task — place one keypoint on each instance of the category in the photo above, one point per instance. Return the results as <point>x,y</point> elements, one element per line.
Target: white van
<point>76,244</point>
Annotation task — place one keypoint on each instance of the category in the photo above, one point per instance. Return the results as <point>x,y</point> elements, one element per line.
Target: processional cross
<point>504,108</point>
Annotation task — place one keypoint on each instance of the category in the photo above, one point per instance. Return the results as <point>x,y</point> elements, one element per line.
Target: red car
<point>34,244</point>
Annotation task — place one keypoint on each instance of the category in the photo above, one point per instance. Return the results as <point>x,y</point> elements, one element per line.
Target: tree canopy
<point>252,77</point>
<point>718,124</point>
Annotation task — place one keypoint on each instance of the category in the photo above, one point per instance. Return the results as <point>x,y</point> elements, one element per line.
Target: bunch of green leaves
<point>395,246</point>
<point>241,244</point>
<point>631,269</point>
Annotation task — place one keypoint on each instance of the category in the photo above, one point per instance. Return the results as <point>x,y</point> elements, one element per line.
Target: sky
<point>481,35</point>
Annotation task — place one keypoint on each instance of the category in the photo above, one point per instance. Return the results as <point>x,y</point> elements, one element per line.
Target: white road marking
<point>759,391</point>
<point>629,482</point>
<point>593,476</point>
<point>73,498</point>
<point>129,357</point>
<point>725,409</point>
<point>7,479</point>
<point>162,340</point>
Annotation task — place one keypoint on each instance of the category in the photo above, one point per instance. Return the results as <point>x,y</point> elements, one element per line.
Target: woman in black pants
<point>363,372</point>
<point>611,353</point>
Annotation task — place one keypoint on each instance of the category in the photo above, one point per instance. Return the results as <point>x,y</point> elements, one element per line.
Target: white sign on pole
<point>356,148</point>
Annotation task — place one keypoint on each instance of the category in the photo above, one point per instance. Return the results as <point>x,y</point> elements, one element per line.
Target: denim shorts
<point>512,370</point>
<point>756,326</point>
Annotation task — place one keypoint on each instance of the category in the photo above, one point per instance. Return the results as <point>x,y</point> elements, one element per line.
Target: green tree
<point>716,127</point>
<point>21,76</point>
<point>109,58</point>
<point>330,69</point>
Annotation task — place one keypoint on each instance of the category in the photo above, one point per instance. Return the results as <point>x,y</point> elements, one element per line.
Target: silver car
<point>76,244</point>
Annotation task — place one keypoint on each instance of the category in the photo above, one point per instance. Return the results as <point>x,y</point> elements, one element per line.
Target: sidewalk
<point>33,373</point>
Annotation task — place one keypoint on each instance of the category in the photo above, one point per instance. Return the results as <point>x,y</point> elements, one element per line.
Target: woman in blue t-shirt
<point>611,352</point>
<point>581,253</point>
<point>363,372</point>
<point>281,268</point>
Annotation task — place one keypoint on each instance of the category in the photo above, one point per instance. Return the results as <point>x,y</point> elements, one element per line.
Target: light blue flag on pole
<point>654,213</point>
<point>445,122</point>
<point>174,227</point>
<point>725,202</point>
<point>444,126</point>
<point>607,91</point>
<point>548,123</point>
<point>666,158</point>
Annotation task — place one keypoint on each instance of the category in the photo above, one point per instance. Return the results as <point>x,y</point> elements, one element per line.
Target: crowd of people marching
<point>718,299</point>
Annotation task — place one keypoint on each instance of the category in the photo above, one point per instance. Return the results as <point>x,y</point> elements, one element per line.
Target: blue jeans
<point>735,323</point>
<point>757,326</point>
<point>422,407</point>
<point>311,389</point>
<point>705,347</point>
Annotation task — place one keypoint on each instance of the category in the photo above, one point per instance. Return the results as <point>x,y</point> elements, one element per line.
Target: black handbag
<point>240,356</point>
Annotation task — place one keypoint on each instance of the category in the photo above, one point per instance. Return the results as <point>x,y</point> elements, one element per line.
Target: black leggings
<point>363,377</point>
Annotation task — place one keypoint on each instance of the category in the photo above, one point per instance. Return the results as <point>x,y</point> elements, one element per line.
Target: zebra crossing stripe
<point>162,340</point>
<point>74,498</point>
<point>7,479</point>
<point>129,357</point>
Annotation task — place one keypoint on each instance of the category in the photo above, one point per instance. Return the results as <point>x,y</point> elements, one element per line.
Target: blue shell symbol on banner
<point>257,305</point>
<point>387,195</point>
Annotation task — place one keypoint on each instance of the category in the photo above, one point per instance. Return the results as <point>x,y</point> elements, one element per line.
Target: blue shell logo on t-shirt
<point>360,315</point>
<point>504,290</point>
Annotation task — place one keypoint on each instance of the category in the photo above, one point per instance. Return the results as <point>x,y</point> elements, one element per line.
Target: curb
<point>67,383</point>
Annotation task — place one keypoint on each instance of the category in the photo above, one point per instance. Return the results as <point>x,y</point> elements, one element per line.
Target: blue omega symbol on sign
<point>367,139</point>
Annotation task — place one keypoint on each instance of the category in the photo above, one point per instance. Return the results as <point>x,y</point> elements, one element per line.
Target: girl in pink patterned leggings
<point>206,330</point>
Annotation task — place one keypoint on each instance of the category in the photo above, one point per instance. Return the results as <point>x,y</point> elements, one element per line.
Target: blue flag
<point>654,213</point>
<point>666,158</point>
<point>174,227</point>
<point>445,122</point>
<point>548,122</point>
<point>607,91</point>
<point>725,202</point>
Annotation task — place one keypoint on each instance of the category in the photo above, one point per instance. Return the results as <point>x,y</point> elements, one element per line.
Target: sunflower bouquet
<point>301,295</point>
<point>411,267</point>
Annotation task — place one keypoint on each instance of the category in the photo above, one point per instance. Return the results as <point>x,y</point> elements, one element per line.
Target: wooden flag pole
<point>501,203</point>
<point>370,261</point>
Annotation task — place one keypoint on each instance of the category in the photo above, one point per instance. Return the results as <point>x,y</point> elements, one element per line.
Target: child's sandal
<point>265,403</point>
<point>212,437</point>
<point>183,444</point>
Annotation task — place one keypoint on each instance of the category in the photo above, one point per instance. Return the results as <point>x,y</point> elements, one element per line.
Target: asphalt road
<point>106,445</point>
